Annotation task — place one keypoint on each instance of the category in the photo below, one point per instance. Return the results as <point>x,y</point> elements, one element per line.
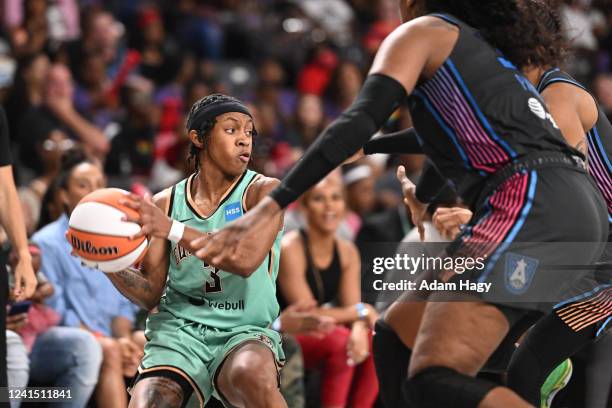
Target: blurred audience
<point>86,298</point>
<point>315,265</point>
<point>41,353</point>
<point>117,77</point>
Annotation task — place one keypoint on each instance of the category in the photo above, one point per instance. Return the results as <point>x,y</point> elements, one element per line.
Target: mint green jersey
<point>200,293</point>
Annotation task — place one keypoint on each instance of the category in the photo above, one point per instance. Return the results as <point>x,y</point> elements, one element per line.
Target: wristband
<point>176,231</point>
<point>276,325</point>
<point>362,311</point>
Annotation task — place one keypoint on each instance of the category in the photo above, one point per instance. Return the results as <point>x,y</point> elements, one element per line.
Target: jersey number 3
<point>213,284</point>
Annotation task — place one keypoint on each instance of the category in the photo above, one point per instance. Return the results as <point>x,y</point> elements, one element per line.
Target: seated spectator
<point>296,219</point>
<point>317,266</point>
<point>298,319</point>
<point>84,298</point>
<point>48,151</point>
<point>359,182</point>
<point>28,88</point>
<point>41,353</point>
<point>58,112</point>
<point>308,123</point>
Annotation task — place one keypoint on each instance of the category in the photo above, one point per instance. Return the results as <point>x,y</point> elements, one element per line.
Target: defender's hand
<point>450,221</point>
<point>417,208</point>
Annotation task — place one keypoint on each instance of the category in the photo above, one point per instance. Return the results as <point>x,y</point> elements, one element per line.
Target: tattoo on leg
<point>163,393</point>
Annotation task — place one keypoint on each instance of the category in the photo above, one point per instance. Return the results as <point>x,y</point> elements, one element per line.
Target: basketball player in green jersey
<point>212,332</point>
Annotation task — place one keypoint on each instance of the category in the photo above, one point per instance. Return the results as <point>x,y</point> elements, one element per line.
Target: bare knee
<point>249,376</point>
<point>158,392</point>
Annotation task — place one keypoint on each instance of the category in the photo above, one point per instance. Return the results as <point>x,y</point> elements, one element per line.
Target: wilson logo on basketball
<point>87,247</point>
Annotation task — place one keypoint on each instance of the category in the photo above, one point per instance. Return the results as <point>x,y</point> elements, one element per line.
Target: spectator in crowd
<point>603,91</point>
<point>298,319</point>
<point>132,149</point>
<point>343,88</point>
<point>583,24</point>
<point>317,266</point>
<point>359,183</point>
<point>308,123</point>
<point>59,112</point>
<point>272,90</point>
<point>101,36</point>
<point>28,88</point>
<point>584,27</point>
<point>160,58</point>
<point>41,353</point>
<point>91,95</point>
<point>48,149</point>
<point>82,297</point>
<point>31,36</point>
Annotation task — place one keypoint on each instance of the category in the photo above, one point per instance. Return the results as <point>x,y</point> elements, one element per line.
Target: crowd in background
<point>117,78</point>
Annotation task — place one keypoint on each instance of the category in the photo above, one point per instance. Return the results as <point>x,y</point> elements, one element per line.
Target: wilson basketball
<point>99,236</point>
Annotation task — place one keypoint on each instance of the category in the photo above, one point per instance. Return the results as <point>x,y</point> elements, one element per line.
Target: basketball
<point>99,236</point>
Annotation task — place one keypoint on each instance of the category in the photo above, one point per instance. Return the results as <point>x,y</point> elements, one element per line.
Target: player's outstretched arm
<point>253,248</point>
<point>411,50</point>
<point>145,286</point>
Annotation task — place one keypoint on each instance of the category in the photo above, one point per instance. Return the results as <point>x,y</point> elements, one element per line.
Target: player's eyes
<point>230,130</point>
<point>249,133</point>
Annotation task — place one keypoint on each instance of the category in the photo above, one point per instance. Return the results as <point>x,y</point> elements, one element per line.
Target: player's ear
<point>196,139</point>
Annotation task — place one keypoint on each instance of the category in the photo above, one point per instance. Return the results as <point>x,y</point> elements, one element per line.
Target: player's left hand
<point>151,218</point>
<point>417,208</point>
<point>223,246</point>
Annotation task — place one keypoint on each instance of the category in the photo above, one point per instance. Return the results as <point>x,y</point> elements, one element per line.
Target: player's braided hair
<point>513,26</point>
<point>205,126</point>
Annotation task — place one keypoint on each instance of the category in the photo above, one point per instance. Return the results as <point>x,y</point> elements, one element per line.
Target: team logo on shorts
<point>232,211</point>
<point>520,270</point>
<point>266,340</point>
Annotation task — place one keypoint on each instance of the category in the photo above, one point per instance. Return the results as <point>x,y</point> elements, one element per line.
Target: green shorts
<point>195,351</point>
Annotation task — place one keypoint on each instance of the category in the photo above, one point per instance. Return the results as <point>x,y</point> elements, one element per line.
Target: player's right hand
<point>151,218</point>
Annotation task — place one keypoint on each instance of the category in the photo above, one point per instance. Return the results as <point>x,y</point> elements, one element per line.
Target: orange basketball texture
<point>100,237</point>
